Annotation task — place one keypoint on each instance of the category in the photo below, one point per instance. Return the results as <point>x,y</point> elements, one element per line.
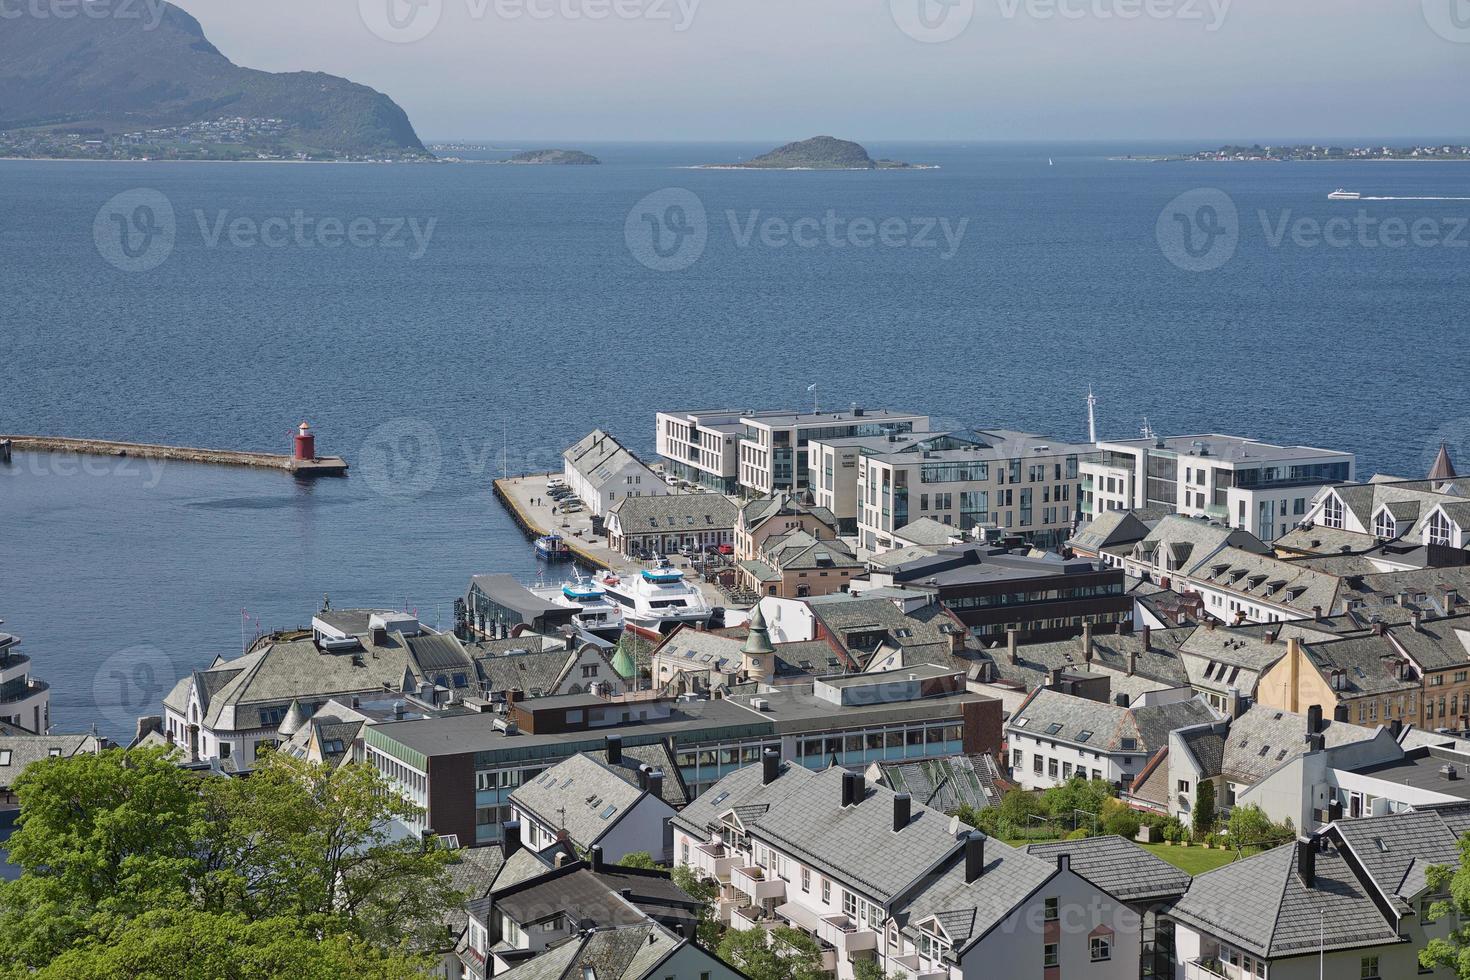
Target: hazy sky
<point>879,69</point>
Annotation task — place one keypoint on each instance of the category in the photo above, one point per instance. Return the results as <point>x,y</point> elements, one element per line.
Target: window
<point>1369,969</point>
<point>806,879</point>
<point>1102,948</point>
<point>4,757</point>
<point>1053,909</point>
<point>1384,525</point>
<point>1050,955</point>
<point>826,891</point>
<point>1332,512</point>
<point>1184,786</point>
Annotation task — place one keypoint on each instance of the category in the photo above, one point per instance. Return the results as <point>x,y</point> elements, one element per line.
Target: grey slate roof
<point>928,531</point>
<point>1397,850</point>
<point>1139,731</point>
<point>23,749</point>
<point>1263,739</point>
<point>674,512</point>
<point>533,674</point>
<point>597,456</point>
<point>626,953</point>
<point>581,795</point>
<point>1119,867</point>
<point>1260,905</point>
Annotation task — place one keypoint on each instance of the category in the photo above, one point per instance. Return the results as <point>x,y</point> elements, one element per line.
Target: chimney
<point>1306,862</point>
<point>1396,728</point>
<point>510,838</point>
<point>1087,642</point>
<point>614,750</point>
<point>1403,597</point>
<point>1451,600</point>
<point>1314,719</point>
<point>1270,637</point>
<point>148,723</point>
<point>1133,656</point>
<point>379,636</point>
<point>902,810</point>
<point>561,859</point>
<point>1054,677</point>
<point>770,766</point>
<point>1340,713</point>
<point>1011,633</point>
<point>1316,743</point>
<point>193,743</point>
<point>1317,613</point>
<point>1417,620</point>
<point>596,858</point>
<point>1064,862</point>
<point>656,783</point>
<point>853,788</point>
<point>846,790</point>
<point>1380,628</point>
<point>1232,703</point>
<point>974,856</point>
<point>1148,636</point>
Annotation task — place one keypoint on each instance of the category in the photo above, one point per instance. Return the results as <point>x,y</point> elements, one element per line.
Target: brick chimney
<point>1011,633</point>
<point>1148,636</point>
<point>1087,642</point>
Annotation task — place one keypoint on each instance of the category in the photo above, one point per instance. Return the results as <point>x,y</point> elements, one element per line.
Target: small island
<point>554,158</point>
<point>817,153</point>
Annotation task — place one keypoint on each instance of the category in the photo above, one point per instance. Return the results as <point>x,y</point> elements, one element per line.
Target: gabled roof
<point>581,795</point>
<point>624,953</point>
<point>679,512</point>
<point>598,457</point>
<point>947,784</point>
<point>928,531</point>
<point>21,750</point>
<point>1103,727</point>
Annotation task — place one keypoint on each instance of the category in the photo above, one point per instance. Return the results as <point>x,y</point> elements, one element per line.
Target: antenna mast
<point>1091,416</point>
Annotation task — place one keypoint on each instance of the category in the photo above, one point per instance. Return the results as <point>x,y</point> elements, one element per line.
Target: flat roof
<point>916,672</point>
<point>1225,447</point>
<point>1420,769</point>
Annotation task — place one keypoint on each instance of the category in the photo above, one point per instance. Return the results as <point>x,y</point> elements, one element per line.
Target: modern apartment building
<point>761,452</point>
<point>1018,483</point>
<point>24,700</point>
<point>1255,486</point>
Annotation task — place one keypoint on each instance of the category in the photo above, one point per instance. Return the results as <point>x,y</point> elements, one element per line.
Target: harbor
<point>302,461</point>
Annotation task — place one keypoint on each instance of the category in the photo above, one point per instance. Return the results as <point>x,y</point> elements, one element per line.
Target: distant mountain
<point>116,75</point>
<point>560,158</point>
<point>818,153</point>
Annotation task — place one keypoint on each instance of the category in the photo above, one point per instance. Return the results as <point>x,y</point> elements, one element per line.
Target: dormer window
<point>1332,512</point>
<point>1440,530</point>
<point>1384,526</point>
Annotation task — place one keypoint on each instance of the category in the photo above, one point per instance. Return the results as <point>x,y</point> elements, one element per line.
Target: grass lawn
<point>1195,859</point>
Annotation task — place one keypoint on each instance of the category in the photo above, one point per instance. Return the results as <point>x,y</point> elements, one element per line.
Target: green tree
<point>1452,951</point>
<point>1204,808</point>
<point>172,943</point>
<point>870,970</point>
<point>1073,800</point>
<point>112,844</point>
<point>1017,808</point>
<point>639,859</point>
<point>1120,819</point>
<point>706,891</point>
<point>781,954</point>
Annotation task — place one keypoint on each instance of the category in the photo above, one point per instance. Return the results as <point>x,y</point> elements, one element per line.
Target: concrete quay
<point>517,494</point>
<point>317,466</point>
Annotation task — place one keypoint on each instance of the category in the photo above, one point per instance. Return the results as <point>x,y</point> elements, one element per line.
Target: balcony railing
<point>21,692</point>
<point>752,881</point>
<point>751,917</point>
<point>1206,970</point>
<point>714,860</point>
<point>846,935</point>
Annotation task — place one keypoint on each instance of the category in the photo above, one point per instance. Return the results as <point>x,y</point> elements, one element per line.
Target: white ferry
<point>656,599</point>
<point>1342,195</point>
<point>596,612</point>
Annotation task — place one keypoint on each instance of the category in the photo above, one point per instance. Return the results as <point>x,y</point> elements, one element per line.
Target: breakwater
<point>317,466</point>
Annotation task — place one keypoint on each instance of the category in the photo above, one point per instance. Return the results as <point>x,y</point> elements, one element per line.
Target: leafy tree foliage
<point>1204,808</point>
<point>706,891</point>
<point>1250,825</point>
<point>781,954</point>
<point>129,859</point>
<point>638,859</point>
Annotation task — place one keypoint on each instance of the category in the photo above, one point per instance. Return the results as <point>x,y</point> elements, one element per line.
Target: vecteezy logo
<point>135,230</point>
<point>1450,19</point>
<point>1199,230</point>
<point>932,21</point>
<point>667,230</point>
<point>401,21</point>
<point>402,458</point>
<point>130,683</point>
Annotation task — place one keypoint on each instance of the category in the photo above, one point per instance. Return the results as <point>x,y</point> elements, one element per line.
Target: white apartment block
<point>1254,486</point>
<point>1016,483</point>
<point>762,452</point>
<point>24,700</point>
<point>874,876</point>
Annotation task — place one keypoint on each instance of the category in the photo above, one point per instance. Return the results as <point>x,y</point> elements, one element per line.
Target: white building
<point>873,876</point>
<point>1255,486</point>
<point>1418,512</point>
<point>1017,483</point>
<point>601,471</point>
<point>614,804</point>
<point>762,452</point>
<point>1055,736</point>
<point>24,700</point>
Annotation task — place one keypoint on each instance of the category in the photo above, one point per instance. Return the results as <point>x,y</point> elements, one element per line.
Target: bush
<point>1204,808</point>
<point>1081,833</point>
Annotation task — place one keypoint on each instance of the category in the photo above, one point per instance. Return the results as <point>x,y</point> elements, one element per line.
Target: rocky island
<point>818,153</point>
<point>154,87</point>
<point>554,158</point>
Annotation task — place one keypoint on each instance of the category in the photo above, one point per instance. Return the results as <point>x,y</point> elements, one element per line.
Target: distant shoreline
<point>365,163</point>
<point>736,166</point>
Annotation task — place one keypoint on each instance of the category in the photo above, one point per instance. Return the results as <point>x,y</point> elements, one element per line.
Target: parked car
<point>727,549</point>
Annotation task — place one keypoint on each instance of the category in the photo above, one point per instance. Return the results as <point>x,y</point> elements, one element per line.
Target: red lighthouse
<point>305,443</point>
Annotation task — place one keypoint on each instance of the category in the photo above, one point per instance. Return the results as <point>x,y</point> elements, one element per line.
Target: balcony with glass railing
<point>757,885</point>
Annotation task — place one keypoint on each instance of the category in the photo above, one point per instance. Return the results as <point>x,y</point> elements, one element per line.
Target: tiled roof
<point>947,784</point>
<point>674,511</point>
<point>581,795</point>
<point>1119,867</point>
<point>23,749</point>
<point>626,953</point>
<point>1263,739</point>
<point>1106,727</point>
<point>598,457</point>
<point>928,531</point>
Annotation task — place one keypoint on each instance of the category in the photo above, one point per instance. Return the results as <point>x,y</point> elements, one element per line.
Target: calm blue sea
<point>527,320</point>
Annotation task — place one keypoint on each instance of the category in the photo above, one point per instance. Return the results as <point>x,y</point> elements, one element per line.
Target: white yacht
<point>596,612</point>
<point>1342,195</point>
<point>656,599</point>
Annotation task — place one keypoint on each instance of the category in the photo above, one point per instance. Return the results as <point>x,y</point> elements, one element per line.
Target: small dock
<point>306,468</point>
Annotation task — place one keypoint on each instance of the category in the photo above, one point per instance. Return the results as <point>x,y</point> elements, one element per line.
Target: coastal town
<point>876,699</point>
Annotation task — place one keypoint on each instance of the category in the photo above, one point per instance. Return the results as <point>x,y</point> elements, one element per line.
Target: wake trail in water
<point>1412,198</point>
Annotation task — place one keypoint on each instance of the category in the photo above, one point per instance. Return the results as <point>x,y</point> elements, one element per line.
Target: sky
<point>888,70</point>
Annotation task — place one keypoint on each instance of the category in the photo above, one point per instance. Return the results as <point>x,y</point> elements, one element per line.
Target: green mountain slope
<point>119,74</point>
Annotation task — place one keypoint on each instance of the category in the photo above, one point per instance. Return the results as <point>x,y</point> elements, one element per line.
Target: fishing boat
<point>552,547</point>
<point>656,599</point>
